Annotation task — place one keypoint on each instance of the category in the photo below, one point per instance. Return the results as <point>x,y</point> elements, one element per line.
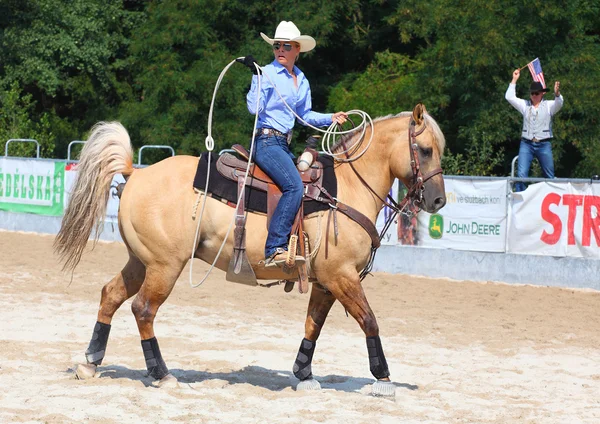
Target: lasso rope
<point>329,134</point>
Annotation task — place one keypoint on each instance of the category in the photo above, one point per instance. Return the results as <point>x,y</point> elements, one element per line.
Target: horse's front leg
<point>351,295</point>
<point>319,306</point>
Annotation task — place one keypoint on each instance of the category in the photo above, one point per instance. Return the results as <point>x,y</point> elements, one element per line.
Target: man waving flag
<point>535,67</point>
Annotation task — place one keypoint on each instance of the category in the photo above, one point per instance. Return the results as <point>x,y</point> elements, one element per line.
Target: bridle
<point>416,190</point>
<point>411,204</point>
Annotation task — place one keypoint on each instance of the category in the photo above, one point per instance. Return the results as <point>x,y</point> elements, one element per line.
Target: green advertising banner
<point>32,186</point>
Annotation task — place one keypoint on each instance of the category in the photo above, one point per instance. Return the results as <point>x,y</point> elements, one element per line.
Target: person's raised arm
<point>558,99</point>
<point>511,93</point>
<point>516,75</point>
<point>251,101</point>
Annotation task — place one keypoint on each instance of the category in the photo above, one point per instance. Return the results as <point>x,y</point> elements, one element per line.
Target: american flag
<point>535,67</point>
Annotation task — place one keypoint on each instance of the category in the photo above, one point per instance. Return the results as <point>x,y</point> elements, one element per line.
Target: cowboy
<point>536,138</point>
<point>275,123</point>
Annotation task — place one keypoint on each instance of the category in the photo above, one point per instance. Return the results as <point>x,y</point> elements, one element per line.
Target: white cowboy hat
<point>287,31</point>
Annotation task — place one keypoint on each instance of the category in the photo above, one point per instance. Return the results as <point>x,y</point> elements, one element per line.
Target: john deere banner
<point>556,219</point>
<point>474,218</point>
<point>32,186</point>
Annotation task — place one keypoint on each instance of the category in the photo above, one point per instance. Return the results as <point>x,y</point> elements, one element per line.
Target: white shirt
<point>537,121</point>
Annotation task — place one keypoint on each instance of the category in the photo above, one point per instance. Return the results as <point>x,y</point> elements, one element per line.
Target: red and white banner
<point>556,219</point>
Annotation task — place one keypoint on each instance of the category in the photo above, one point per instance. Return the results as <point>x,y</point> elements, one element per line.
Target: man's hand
<point>557,88</point>
<point>339,117</point>
<point>516,75</point>
<point>250,62</point>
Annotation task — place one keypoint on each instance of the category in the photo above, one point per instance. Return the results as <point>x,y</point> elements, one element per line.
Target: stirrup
<point>281,257</point>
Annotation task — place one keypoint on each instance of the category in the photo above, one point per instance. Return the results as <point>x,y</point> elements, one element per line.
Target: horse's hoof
<point>310,384</point>
<point>85,371</point>
<point>384,389</point>
<point>168,381</point>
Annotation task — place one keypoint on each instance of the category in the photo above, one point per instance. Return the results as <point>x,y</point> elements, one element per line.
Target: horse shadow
<point>273,380</point>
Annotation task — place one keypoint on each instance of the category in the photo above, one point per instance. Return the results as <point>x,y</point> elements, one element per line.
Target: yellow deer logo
<point>436,226</point>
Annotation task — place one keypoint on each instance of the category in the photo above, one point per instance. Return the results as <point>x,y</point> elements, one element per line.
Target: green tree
<point>18,121</point>
<point>462,60</point>
<point>180,51</point>
<point>178,57</point>
<point>69,55</point>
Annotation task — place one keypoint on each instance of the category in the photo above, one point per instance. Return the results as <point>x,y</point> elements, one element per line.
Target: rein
<point>414,194</point>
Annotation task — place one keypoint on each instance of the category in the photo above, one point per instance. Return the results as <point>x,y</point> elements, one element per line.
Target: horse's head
<point>415,159</point>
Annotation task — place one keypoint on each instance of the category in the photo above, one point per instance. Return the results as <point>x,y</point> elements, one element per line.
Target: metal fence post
<point>153,147</point>
<point>69,150</point>
<point>22,140</point>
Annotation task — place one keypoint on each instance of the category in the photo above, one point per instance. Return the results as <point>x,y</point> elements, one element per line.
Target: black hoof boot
<point>154,361</point>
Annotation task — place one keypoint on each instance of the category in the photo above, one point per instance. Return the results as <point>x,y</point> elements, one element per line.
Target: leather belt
<point>270,131</point>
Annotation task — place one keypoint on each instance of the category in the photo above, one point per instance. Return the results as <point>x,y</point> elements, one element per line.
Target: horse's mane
<point>431,123</point>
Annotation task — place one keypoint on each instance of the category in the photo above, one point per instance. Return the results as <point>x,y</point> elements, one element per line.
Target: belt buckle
<point>265,131</point>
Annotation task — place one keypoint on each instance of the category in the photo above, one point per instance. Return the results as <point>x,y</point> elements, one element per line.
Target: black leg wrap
<point>95,351</point>
<point>154,361</point>
<point>377,362</point>
<point>302,368</point>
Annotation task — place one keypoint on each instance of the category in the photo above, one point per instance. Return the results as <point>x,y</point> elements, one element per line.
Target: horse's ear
<point>418,113</point>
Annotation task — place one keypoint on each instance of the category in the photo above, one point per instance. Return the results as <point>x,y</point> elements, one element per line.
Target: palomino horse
<point>157,225</point>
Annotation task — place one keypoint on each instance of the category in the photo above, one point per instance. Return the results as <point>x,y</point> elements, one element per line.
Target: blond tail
<point>107,152</point>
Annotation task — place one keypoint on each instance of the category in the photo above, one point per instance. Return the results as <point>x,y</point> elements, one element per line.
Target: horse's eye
<point>426,151</point>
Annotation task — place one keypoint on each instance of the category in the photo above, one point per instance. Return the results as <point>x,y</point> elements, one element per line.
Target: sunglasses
<point>537,93</point>
<point>286,46</point>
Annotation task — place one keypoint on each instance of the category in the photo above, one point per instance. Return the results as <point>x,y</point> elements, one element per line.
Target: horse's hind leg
<point>157,286</point>
<point>118,290</point>
<point>321,301</point>
<point>349,292</point>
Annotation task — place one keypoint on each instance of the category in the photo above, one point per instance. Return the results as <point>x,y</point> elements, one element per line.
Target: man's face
<point>536,95</point>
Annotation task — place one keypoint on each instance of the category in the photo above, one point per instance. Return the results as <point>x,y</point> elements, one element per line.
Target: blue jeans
<point>542,150</point>
<point>272,154</point>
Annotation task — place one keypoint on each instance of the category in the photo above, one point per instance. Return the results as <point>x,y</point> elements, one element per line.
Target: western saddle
<point>234,168</point>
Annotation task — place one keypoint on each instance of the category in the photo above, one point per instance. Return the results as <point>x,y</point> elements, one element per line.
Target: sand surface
<point>458,351</point>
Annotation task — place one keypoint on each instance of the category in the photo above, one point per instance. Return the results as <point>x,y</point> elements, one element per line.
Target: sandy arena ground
<point>458,351</point>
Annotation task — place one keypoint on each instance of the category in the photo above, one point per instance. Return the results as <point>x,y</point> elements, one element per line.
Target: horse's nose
<point>439,202</point>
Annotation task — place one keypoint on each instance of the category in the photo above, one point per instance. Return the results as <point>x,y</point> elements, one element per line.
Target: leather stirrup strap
<point>302,268</point>
<point>239,233</point>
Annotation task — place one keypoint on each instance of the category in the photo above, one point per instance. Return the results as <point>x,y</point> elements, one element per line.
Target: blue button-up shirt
<point>272,112</point>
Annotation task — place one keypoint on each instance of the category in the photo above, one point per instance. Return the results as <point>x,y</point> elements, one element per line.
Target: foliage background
<point>66,64</point>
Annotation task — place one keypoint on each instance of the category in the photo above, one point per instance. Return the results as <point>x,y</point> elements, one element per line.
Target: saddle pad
<point>256,200</point>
